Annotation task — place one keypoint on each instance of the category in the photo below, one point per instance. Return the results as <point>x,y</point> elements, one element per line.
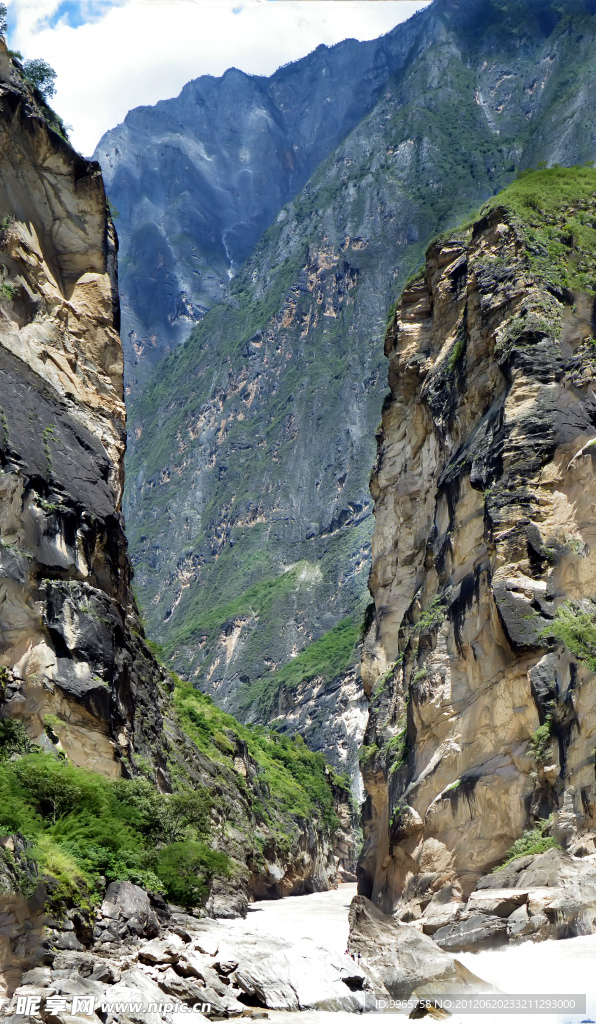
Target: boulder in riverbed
<point>397,958</point>
<point>303,977</point>
<point>125,913</point>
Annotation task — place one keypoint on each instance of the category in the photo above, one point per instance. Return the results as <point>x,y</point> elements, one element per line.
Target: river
<point>562,968</point>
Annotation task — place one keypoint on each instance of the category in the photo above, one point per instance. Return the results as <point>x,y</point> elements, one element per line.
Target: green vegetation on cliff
<point>86,829</point>
<point>556,208</point>
<point>576,628</point>
<point>235,323</point>
<point>325,659</point>
<point>294,780</point>
<point>534,840</point>
<point>203,620</point>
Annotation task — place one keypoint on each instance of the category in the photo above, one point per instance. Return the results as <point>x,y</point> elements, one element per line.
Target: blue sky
<point>79,12</point>
<point>71,12</point>
<point>112,55</point>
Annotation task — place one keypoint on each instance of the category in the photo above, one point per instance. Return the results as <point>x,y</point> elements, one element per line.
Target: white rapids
<point>322,917</point>
<point>559,968</point>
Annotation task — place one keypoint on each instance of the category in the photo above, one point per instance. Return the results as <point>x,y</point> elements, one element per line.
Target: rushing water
<point>322,917</point>
<point>562,968</point>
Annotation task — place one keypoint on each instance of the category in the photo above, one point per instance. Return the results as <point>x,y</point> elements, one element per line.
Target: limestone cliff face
<point>481,719</point>
<point>67,647</point>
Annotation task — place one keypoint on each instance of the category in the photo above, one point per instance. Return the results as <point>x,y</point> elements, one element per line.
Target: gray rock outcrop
<point>546,896</point>
<point>400,960</point>
<point>201,965</point>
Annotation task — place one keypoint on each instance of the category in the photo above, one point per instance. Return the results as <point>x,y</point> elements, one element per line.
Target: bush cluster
<point>87,830</point>
<point>576,628</point>
<point>535,840</point>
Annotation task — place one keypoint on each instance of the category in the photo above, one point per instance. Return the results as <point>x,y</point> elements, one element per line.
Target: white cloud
<point>136,52</point>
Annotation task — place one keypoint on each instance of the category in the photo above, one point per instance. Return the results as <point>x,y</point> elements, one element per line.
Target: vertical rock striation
<point>479,664</point>
<point>198,178</point>
<point>68,619</point>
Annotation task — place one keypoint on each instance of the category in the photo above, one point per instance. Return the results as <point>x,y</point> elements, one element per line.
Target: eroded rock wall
<point>67,616</point>
<point>481,725</point>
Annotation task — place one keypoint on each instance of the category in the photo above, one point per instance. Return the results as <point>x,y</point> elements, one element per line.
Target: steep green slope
<point>248,502</point>
<point>240,794</point>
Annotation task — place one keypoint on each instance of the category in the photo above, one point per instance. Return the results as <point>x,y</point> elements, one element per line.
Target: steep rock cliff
<point>479,663</point>
<point>249,458</point>
<point>79,685</point>
<point>64,566</point>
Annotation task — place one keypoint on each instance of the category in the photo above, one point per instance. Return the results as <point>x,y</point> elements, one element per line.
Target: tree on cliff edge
<point>41,76</point>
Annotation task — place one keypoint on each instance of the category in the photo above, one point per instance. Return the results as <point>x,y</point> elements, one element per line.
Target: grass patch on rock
<point>258,600</point>
<point>556,207</point>
<point>533,841</point>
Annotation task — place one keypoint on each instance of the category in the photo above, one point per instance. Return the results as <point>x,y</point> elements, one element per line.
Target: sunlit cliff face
<point>480,725</point>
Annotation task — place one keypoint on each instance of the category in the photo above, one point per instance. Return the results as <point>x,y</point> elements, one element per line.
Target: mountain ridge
<point>260,149</point>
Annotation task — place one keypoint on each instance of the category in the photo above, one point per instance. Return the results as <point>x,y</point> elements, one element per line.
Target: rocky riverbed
<point>285,962</point>
<point>149,961</point>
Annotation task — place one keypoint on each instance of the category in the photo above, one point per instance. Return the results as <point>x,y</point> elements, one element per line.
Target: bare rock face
<point>126,910</point>
<point>481,722</point>
<point>398,958</point>
<point>546,896</point>
<point>305,977</point>
<point>198,179</point>
<point>66,638</point>
<point>22,918</point>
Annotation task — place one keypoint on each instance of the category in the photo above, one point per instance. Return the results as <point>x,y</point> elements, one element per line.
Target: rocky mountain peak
<point>197,179</point>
